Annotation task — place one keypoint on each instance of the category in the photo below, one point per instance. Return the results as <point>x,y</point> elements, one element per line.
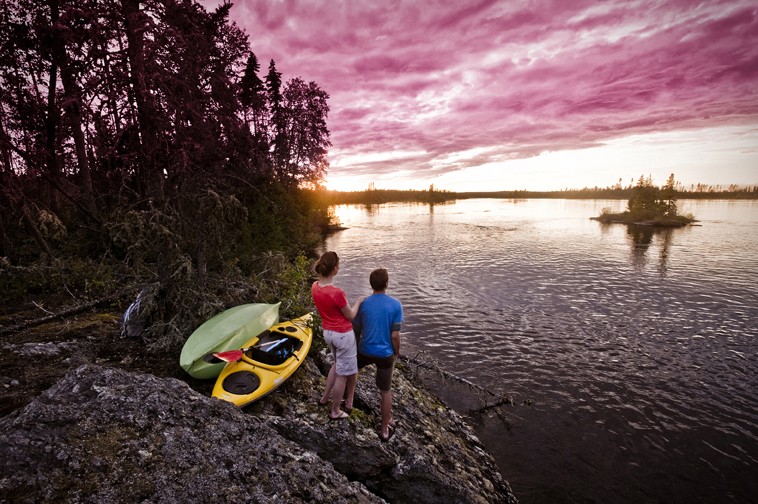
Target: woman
<point>336,315</point>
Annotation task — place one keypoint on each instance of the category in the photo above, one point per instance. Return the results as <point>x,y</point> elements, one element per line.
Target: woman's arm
<point>349,312</point>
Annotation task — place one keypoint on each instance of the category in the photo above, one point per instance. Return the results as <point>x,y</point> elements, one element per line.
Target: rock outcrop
<point>109,435</point>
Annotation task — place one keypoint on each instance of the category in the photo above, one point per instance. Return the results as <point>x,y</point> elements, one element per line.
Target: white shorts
<point>344,350</point>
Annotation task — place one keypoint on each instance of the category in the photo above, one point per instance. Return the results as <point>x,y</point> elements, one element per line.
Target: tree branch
<point>73,310</point>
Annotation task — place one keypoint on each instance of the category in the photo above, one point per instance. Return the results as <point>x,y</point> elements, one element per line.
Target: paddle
<point>235,355</point>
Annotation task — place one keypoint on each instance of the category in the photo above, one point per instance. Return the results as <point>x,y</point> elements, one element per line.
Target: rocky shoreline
<point>109,430</point>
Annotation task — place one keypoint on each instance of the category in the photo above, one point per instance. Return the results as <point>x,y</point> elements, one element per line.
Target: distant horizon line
<point>705,188</point>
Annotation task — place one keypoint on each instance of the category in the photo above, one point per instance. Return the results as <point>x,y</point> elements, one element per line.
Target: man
<point>378,325</point>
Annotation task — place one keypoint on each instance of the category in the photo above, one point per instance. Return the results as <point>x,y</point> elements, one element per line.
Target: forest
<point>142,147</point>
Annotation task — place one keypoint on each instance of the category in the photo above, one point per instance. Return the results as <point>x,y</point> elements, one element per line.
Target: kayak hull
<point>228,330</point>
<point>271,358</point>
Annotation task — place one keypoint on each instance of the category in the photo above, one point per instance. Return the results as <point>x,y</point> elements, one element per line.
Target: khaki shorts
<point>344,350</point>
<point>384,368</point>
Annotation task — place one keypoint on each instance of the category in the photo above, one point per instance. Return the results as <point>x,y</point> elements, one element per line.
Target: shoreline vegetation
<point>628,218</point>
<point>648,205</point>
<point>380,196</point>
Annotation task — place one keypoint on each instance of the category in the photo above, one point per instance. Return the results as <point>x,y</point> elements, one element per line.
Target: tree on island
<point>650,205</point>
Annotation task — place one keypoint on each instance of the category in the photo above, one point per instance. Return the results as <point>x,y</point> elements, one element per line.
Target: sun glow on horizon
<point>690,155</point>
<point>489,96</point>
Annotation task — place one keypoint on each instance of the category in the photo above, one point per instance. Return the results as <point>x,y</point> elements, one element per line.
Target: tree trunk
<point>31,226</point>
<point>6,174</point>
<point>6,247</point>
<point>74,116</point>
<point>150,172</point>
<point>51,122</point>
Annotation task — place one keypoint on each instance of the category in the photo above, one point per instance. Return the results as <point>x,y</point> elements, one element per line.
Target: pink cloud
<point>504,80</point>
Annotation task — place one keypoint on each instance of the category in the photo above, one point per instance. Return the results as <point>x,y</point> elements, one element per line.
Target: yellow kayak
<point>266,362</point>
<point>227,330</point>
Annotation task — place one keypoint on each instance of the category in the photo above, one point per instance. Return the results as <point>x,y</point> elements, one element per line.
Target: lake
<point>629,354</point>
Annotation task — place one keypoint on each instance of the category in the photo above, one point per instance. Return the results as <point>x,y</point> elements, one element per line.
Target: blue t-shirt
<point>377,317</point>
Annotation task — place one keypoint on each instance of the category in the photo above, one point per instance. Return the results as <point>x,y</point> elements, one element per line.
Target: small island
<point>650,206</point>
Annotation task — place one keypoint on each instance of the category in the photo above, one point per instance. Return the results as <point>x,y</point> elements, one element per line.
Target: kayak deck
<point>271,357</point>
<point>225,331</point>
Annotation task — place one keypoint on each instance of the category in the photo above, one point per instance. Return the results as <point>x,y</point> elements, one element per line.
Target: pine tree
<point>668,197</point>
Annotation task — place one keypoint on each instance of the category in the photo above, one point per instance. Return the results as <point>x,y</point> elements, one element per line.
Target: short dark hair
<point>378,279</point>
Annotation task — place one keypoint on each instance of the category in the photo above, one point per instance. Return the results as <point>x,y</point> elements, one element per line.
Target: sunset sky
<point>482,95</point>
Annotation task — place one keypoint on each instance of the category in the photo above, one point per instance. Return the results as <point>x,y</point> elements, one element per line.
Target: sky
<point>484,95</point>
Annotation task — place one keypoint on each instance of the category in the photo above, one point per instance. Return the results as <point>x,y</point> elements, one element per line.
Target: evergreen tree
<point>277,125</point>
<point>254,101</point>
<point>668,197</point>
<point>112,105</point>
<point>648,202</point>
<point>253,95</point>
<point>643,203</point>
<point>305,111</point>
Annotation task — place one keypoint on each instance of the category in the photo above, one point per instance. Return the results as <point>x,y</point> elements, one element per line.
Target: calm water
<point>637,351</point>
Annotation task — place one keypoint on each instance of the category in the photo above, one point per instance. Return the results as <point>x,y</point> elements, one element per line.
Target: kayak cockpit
<point>273,348</point>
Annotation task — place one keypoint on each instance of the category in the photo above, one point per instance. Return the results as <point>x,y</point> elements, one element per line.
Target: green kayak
<point>228,330</point>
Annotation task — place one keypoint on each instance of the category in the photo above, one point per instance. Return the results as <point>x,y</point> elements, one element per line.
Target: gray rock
<point>27,350</point>
<point>109,435</point>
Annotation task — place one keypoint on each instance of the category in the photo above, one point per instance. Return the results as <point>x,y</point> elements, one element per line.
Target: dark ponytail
<point>326,263</point>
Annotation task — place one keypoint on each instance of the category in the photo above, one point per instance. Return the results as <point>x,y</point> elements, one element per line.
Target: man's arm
<point>358,324</point>
<point>395,335</point>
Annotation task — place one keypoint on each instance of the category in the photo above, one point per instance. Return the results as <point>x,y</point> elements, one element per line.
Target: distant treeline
<point>377,196</point>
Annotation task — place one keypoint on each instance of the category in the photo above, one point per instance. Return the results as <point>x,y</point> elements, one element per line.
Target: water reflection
<point>637,383</point>
<point>641,235</point>
<point>641,238</point>
<point>666,239</point>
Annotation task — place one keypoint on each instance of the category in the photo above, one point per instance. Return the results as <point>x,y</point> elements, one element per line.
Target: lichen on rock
<point>102,434</point>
